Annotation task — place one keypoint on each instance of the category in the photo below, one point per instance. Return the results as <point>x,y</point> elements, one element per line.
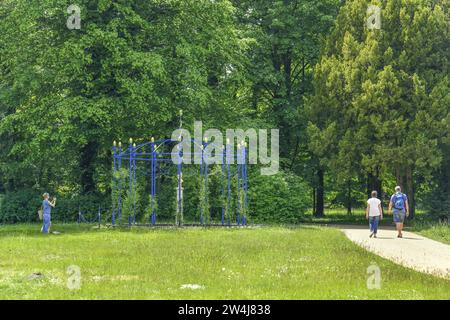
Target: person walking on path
<point>374,213</point>
<point>46,213</point>
<point>399,202</point>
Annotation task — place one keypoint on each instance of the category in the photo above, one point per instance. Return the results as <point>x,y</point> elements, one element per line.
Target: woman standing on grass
<point>374,213</point>
<point>46,213</point>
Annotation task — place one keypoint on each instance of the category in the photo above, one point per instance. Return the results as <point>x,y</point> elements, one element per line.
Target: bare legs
<point>399,229</point>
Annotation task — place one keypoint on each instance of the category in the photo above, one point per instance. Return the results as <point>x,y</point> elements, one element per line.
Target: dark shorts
<point>399,216</point>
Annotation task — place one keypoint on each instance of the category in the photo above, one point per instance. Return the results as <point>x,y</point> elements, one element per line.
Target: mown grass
<point>252,263</point>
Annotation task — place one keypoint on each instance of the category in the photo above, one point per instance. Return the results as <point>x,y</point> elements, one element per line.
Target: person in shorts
<point>399,202</point>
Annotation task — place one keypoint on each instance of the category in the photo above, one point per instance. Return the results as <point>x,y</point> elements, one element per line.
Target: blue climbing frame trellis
<point>153,154</point>
<point>81,218</point>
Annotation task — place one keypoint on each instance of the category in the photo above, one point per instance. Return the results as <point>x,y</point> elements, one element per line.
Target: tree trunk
<point>368,185</point>
<point>379,184</point>
<point>446,178</point>
<point>374,184</point>
<point>287,63</point>
<point>314,201</point>
<point>349,197</point>
<point>410,192</point>
<point>88,155</point>
<point>255,97</point>
<point>320,194</point>
<point>400,177</point>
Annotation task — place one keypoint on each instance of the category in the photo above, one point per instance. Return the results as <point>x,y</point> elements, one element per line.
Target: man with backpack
<point>399,201</point>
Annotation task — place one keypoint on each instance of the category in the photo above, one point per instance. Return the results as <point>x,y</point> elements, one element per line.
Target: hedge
<point>23,206</point>
<point>281,198</point>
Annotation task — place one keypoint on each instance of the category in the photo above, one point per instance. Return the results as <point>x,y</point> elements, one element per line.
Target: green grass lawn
<point>423,223</point>
<point>340,216</point>
<point>358,216</point>
<point>438,232</point>
<point>254,263</point>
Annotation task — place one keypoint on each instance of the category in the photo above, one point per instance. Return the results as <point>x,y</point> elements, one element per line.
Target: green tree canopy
<point>67,94</point>
<point>383,94</point>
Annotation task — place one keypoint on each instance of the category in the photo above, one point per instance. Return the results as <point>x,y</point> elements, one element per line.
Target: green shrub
<point>132,204</point>
<point>437,203</point>
<point>152,206</point>
<point>204,205</point>
<point>282,198</point>
<point>279,198</point>
<point>22,206</point>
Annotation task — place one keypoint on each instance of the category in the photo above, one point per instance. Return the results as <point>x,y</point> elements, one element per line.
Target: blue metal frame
<point>140,152</point>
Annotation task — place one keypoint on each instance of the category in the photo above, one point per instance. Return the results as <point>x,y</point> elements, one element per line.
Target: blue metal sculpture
<point>153,152</point>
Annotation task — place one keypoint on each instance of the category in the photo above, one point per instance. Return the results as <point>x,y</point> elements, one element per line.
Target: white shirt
<point>373,207</point>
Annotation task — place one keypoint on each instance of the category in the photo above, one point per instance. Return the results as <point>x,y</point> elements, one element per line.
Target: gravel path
<point>412,251</point>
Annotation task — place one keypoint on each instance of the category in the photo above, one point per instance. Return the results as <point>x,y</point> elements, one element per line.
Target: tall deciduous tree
<point>288,37</point>
<point>65,95</point>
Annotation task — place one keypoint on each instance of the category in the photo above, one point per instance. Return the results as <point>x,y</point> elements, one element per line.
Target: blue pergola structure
<point>153,154</point>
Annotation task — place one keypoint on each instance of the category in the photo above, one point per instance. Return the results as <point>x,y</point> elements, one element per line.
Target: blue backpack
<point>399,201</point>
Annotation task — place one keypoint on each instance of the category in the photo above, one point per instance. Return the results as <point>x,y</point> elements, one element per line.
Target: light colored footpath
<point>412,251</point>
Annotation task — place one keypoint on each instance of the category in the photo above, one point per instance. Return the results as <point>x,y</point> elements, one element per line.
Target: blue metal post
<point>179,219</point>
<point>155,163</point>
<point>201,178</point>
<point>113,213</point>
<point>229,183</point>
<point>207,214</point>
<point>238,202</point>
<point>244,186</point>
<point>223,186</point>
<point>134,184</point>
<point>130,182</point>
<point>119,207</point>
<point>153,181</point>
